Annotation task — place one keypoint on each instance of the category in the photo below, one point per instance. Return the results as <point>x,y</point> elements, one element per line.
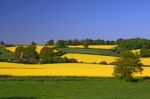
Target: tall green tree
<point>2,43</point>
<point>127,65</point>
<point>50,43</point>
<point>26,54</point>
<point>20,53</point>
<point>46,54</point>
<point>33,43</point>
<point>61,43</point>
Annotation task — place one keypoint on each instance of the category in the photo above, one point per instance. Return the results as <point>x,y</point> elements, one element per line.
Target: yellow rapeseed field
<point>66,69</point>
<point>96,46</point>
<point>87,58</point>
<point>72,69</point>
<point>136,51</point>
<point>145,61</point>
<point>38,48</point>
<point>11,48</point>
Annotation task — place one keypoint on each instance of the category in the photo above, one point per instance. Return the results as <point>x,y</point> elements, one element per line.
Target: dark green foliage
<point>2,43</point>
<point>27,54</point>
<point>75,42</point>
<point>128,64</point>
<point>20,53</point>
<point>46,54</point>
<point>103,62</point>
<point>113,63</point>
<point>61,43</point>
<point>31,52</point>
<point>145,52</point>
<point>85,44</point>
<point>33,43</point>
<point>9,45</point>
<point>81,42</point>
<point>135,43</point>
<point>99,42</point>
<point>50,43</point>
<point>89,51</point>
<point>72,60</point>
<point>6,55</point>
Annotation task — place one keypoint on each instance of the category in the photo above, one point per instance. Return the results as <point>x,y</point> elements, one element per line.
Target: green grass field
<point>92,51</point>
<point>72,88</point>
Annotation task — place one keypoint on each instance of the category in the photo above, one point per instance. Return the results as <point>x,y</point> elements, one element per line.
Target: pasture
<point>71,88</point>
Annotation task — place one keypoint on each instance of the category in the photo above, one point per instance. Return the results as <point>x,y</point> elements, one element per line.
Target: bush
<point>103,62</point>
<point>113,63</point>
<point>72,60</point>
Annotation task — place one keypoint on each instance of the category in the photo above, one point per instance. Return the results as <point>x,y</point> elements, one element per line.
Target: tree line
<point>29,55</point>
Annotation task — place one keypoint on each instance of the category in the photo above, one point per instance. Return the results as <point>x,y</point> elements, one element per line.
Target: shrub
<point>72,60</point>
<point>113,63</point>
<point>103,62</point>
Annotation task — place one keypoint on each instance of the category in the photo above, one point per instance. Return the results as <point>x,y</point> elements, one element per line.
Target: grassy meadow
<point>72,88</point>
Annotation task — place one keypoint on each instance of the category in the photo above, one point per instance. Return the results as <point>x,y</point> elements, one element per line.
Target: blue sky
<point>23,21</point>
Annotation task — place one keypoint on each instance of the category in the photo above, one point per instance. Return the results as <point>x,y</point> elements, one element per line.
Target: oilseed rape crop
<point>87,58</point>
<point>72,69</point>
<point>96,46</point>
<point>66,69</point>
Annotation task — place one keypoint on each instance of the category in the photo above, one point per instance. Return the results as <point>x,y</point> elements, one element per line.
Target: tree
<point>61,43</point>
<point>128,64</point>
<point>85,45</point>
<point>26,54</point>
<point>31,52</point>
<point>20,53</point>
<point>45,54</point>
<point>50,43</point>
<point>144,52</point>
<point>33,43</point>
<point>2,43</point>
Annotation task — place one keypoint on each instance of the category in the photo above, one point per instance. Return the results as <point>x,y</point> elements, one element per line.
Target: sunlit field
<point>11,48</point>
<point>136,51</point>
<point>145,61</point>
<point>87,58</point>
<point>38,48</point>
<point>96,46</point>
<point>72,69</point>
<point>66,69</point>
